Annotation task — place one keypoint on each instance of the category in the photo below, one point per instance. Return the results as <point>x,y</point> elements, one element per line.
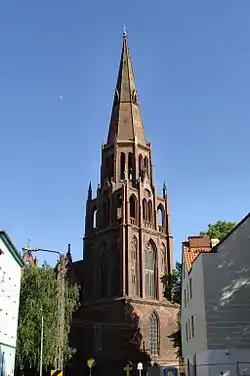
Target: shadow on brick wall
<point>110,334</point>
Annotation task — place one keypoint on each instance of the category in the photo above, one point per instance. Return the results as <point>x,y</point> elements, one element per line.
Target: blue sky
<point>191,61</point>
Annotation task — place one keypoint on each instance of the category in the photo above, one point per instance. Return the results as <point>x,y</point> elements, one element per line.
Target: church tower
<point>128,241</point>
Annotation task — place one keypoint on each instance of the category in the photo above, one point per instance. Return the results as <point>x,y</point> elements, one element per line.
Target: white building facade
<point>10,282</point>
<point>215,312</point>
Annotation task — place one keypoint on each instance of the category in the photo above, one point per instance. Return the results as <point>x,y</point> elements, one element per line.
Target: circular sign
<point>139,366</point>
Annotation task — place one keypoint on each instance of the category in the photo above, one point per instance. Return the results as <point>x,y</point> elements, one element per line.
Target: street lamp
<point>61,307</point>
<point>140,368</point>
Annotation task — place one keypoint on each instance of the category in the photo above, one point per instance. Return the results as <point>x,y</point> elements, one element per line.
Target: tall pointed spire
<point>90,191</point>
<point>126,120</point>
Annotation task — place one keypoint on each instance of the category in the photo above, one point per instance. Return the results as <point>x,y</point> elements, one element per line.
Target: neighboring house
<point>215,317</point>
<point>10,280</point>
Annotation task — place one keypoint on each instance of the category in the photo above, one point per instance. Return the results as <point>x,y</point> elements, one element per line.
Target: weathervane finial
<point>124,31</point>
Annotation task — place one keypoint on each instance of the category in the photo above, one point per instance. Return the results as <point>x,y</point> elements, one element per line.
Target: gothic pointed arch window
<point>144,209</point>
<point>150,270</point>
<point>94,218</point>
<point>140,165</point>
<point>133,207</point>
<point>131,166</point>
<point>153,335</point>
<point>105,211</point>
<point>150,211</point>
<point>146,164</point>
<point>122,165</point>
<point>103,272</point>
<point>160,214</point>
<point>134,267</point>
<point>163,259</point>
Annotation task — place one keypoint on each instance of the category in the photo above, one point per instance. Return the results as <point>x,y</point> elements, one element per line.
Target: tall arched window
<point>119,210</point>
<point>132,206</point>
<point>122,165</point>
<point>105,212</point>
<point>108,211</point>
<point>163,259</point>
<point>153,335</point>
<point>150,211</point>
<point>94,219</point>
<point>150,270</point>
<point>131,166</point>
<point>112,165</point>
<point>144,209</point>
<point>160,214</point>
<point>103,272</point>
<point>134,267</point>
<point>107,167</point>
<point>140,165</point>
<point>146,164</point>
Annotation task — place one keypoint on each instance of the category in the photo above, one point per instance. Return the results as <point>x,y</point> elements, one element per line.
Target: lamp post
<point>140,368</point>
<point>61,306</point>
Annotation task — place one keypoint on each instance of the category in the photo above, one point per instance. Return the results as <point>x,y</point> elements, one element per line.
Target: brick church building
<point>127,248</point>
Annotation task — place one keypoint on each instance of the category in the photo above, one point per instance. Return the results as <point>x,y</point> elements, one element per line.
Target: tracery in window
<point>134,267</point>
<point>153,335</point>
<point>163,259</point>
<point>150,270</point>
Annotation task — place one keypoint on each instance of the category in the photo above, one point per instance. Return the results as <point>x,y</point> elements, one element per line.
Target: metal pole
<point>61,312</point>
<point>41,350</point>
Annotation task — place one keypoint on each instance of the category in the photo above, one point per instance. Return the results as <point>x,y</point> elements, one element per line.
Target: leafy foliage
<point>219,230</point>
<point>172,284</point>
<point>177,343</point>
<point>38,298</point>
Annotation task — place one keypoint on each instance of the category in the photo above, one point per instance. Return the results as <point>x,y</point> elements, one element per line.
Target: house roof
<point>11,248</point>
<point>196,245</point>
<point>193,247</point>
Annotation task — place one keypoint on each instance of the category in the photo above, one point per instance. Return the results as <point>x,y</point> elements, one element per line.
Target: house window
<point>189,329</point>
<point>185,298</point>
<point>192,326</point>
<point>186,331</point>
<point>190,288</point>
<point>153,334</point>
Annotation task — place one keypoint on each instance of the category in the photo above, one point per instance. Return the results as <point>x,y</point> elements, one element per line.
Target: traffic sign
<point>56,372</point>
<point>140,366</point>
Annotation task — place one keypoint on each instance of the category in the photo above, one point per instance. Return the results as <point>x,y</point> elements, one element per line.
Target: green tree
<point>219,230</point>
<point>172,284</point>
<point>37,298</point>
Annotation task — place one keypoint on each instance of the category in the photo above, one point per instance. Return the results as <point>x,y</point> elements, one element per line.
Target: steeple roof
<point>126,120</point>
